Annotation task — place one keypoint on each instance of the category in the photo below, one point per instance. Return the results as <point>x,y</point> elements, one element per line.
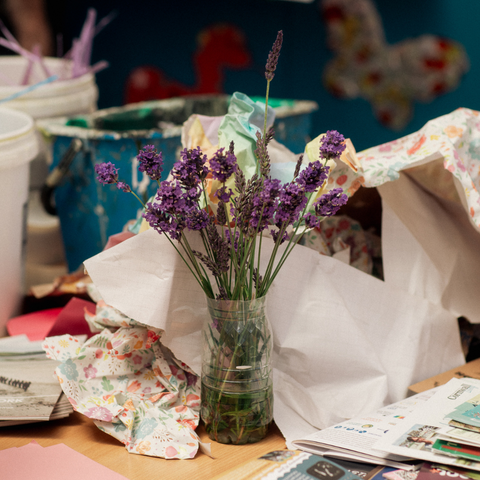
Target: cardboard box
<point>470,370</point>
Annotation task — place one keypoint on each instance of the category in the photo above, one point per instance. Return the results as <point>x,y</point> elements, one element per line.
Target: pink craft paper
<point>34,325</point>
<point>118,238</point>
<point>71,319</point>
<point>56,462</point>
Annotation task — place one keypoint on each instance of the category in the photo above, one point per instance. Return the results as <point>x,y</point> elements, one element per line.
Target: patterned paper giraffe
<point>390,77</point>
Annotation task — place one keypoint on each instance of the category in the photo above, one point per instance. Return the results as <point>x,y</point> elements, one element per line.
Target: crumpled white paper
<point>430,183</point>
<point>344,341</point>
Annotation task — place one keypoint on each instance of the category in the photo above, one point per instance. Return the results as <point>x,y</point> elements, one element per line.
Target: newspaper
<point>354,439</point>
<point>29,389</point>
<point>420,433</point>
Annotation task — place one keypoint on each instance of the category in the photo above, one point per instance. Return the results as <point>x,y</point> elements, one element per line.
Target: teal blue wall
<point>164,34</point>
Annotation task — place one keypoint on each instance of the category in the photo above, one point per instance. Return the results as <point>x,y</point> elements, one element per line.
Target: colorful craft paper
<point>130,385</point>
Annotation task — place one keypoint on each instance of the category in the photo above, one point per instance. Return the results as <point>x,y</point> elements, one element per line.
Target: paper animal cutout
<point>390,77</point>
<point>219,47</point>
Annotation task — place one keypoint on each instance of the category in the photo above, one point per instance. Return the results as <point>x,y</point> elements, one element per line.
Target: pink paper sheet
<point>56,462</point>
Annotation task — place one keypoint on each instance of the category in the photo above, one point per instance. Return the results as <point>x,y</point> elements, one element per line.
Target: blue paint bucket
<point>90,212</point>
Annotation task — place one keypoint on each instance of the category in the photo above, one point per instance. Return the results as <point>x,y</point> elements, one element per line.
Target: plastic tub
<point>63,97</point>
<point>89,212</point>
<point>18,147</point>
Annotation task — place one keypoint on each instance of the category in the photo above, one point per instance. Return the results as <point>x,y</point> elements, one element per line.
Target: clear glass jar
<point>237,393</point>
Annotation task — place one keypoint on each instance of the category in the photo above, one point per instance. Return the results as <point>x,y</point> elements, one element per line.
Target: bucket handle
<point>56,175</point>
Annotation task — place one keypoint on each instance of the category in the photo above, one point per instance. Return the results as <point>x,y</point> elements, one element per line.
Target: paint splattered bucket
<point>89,212</point>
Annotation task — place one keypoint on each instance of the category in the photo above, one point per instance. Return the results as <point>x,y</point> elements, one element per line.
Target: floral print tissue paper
<point>130,385</point>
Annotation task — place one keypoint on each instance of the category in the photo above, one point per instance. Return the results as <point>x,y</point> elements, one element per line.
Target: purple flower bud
<point>292,201</point>
<point>162,222</point>
<point>124,187</point>
<point>197,220</point>
<point>224,194</point>
<point>170,197</point>
<point>107,174</point>
<point>313,176</point>
<point>223,165</point>
<point>151,162</point>
<point>329,203</point>
<point>191,170</point>
<point>332,145</point>
<point>272,59</point>
<point>311,221</point>
<point>276,234</point>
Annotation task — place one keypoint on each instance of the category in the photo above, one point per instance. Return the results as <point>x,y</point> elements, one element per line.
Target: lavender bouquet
<point>236,382</point>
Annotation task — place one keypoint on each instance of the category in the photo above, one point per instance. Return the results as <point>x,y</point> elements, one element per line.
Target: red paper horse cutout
<point>390,77</point>
<point>219,47</point>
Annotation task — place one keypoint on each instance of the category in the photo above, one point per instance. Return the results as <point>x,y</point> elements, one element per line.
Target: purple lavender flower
<point>261,151</point>
<point>229,239</point>
<point>151,162</point>
<point>223,165</point>
<point>191,170</point>
<point>221,214</point>
<point>272,59</point>
<point>124,187</point>
<point>312,221</point>
<point>329,203</point>
<point>197,220</point>
<point>313,176</point>
<point>220,249</point>
<point>224,194</point>
<point>332,145</point>
<point>160,221</point>
<point>170,197</point>
<point>265,204</point>
<point>292,202</point>
<point>107,174</point>
<point>276,234</point>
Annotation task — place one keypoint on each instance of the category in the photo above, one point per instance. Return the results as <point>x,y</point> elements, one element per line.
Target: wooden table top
<point>81,434</point>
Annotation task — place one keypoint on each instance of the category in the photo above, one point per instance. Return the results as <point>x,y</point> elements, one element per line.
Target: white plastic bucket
<point>56,99</point>
<point>18,147</point>
<point>61,98</point>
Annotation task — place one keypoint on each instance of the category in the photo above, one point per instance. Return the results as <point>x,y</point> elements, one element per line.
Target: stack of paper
<point>29,389</point>
<point>445,429</point>
<point>440,426</point>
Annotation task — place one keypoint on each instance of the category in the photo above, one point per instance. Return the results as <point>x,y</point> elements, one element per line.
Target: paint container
<point>18,147</point>
<point>90,212</point>
<point>66,96</point>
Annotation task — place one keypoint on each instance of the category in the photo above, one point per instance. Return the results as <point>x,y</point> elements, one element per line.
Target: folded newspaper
<point>441,426</point>
<point>355,439</point>
<point>444,429</point>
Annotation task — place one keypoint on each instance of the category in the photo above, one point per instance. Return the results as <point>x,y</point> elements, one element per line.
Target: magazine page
<point>416,436</point>
<point>354,439</point>
<point>288,465</point>
<point>29,389</point>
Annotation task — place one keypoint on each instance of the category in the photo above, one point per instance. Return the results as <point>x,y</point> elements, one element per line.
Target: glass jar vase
<point>237,392</point>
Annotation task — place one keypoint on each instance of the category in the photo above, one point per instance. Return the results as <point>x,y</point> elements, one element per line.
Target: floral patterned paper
<point>341,232</point>
<point>130,385</point>
<point>453,140</point>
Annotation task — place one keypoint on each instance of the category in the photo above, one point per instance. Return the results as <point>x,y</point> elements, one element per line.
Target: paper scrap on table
<point>55,462</point>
